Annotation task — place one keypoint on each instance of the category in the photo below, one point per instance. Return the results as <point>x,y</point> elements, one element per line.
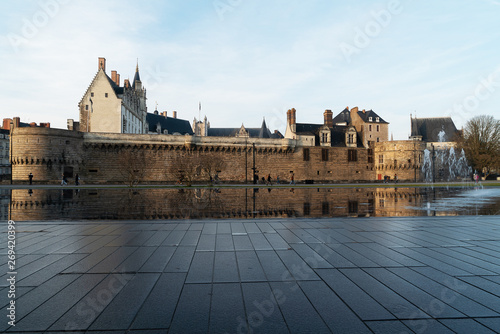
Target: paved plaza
<point>340,275</point>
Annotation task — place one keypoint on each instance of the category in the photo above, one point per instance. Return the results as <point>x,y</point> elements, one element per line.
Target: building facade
<point>108,107</point>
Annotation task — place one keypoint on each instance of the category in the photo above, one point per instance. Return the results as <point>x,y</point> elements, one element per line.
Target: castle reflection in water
<point>231,203</point>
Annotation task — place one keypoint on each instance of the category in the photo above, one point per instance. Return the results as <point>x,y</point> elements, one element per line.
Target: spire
<point>264,131</point>
<point>137,84</point>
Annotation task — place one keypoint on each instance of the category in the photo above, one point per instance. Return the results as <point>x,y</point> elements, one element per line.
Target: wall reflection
<point>194,203</point>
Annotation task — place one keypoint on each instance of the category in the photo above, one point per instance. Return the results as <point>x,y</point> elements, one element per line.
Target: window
<point>381,159</point>
<point>86,107</point>
<point>377,119</point>
<point>92,94</point>
<point>370,119</point>
<point>105,94</point>
<point>324,137</point>
<point>350,138</point>
<point>370,127</point>
<point>306,154</point>
<point>352,155</point>
<point>378,128</point>
<point>324,154</point>
<point>378,139</point>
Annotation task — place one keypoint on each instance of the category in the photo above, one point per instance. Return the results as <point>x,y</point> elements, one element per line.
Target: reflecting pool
<point>245,203</point>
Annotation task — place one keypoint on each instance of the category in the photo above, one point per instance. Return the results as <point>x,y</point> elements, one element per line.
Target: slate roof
<point>305,129</point>
<point>262,132</point>
<point>365,116</point>
<point>118,90</point>
<point>430,128</point>
<point>343,117</point>
<point>337,133</point>
<point>172,125</point>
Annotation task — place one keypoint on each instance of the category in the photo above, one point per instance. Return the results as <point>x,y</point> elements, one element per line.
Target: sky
<point>249,60</point>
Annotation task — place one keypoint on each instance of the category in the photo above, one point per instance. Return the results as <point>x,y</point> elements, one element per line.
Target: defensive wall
<point>100,158</point>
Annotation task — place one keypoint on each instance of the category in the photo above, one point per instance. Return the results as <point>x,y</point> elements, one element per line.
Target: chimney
<point>45,125</point>
<point>174,114</point>
<point>126,83</point>
<point>33,124</point>
<point>288,116</point>
<point>293,114</point>
<point>328,115</point>
<point>117,79</point>
<point>6,123</point>
<point>164,114</point>
<point>16,122</point>
<point>364,111</point>
<point>102,64</point>
<point>113,76</point>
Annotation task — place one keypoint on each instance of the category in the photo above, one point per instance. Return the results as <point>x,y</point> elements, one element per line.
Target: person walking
<point>63,181</point>
<point>292,178</point>
<point>269,179</point>
<point>77,179</point>
<point>30,177</point>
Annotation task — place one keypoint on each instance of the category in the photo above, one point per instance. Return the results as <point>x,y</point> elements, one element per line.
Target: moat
<point>245,203</point>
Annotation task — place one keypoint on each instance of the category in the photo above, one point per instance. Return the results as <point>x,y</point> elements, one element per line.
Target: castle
<point>113,142</point>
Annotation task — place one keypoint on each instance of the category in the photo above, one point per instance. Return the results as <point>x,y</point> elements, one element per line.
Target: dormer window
<point>370,119</point>
<point>377,119</point>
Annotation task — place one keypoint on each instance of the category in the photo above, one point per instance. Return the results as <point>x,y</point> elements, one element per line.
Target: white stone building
<point>108,107</point>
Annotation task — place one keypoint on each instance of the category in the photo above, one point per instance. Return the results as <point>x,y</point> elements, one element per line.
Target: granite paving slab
<point>340,275</point>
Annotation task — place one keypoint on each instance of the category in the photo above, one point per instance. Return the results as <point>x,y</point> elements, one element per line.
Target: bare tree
<point>210,165</point>
<point>132,165</point>
<point>481,142</point>
<point>191,165</point>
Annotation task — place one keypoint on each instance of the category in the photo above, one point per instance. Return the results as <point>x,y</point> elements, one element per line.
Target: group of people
<point>64,180</point>
<point>387,178</point>
<point>269,180</point>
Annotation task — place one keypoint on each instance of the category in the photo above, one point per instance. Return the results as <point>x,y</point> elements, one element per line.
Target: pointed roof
<point>343,117</point>
<point>137,77</point>
<point>264,131</point>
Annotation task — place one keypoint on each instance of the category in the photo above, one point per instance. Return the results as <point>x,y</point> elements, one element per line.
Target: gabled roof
<point>365,116</point>
<point>172,125</point>
<point>431,129</point>
<point>343,117</point>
